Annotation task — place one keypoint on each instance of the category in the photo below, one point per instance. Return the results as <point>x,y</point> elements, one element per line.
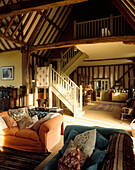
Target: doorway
<point>101,88</point>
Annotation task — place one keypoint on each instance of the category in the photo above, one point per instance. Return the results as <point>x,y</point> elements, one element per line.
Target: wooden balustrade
<point>111,26</point>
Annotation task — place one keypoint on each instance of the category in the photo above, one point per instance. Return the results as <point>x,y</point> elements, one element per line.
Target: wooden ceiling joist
<point>12,39</point>
<point>25,24</point>
<point>37,28</point>
<point>11,22</point>
<point>18,25</point>
<point>125,12</point>
<point>82,41</point>
<point>107,59</point>
<point>35,5</point>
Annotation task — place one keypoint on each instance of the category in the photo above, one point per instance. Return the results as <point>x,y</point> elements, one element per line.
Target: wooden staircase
<point>67,91</point>
<point>71,59</point>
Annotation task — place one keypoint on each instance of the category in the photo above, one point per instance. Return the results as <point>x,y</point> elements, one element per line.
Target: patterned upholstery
<point>38,113</point>
<point>119,153</point>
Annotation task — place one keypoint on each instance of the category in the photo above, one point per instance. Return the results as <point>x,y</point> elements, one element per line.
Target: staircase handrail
<point>68,79</point>
<point>62,78</point>
<point>74,92</point>
<point>68,55</point>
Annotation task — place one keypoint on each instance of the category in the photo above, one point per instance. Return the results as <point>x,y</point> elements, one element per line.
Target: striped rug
<point>11,159</point>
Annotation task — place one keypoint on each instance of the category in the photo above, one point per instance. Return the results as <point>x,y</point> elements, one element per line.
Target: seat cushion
<point>9,131</point>
<point>27,133</point>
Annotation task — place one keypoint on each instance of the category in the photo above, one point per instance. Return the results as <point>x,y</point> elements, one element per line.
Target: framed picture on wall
<point>7,73</point>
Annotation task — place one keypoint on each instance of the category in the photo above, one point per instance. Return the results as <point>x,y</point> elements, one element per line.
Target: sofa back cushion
<point>9,120</point>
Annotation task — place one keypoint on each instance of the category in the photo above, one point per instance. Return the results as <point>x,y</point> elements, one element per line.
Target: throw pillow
<point>34,120</point>
<point>70,161</point>
<point>71,146</point>
<point>18,114</point>
<point>24,122</point>
<point>9,120</point>
<point>101,141</point>
<point>71,135</point>
<point>2,124</point>
<point>86,141</point>
<point>40,114</point>
<point>37,125</point>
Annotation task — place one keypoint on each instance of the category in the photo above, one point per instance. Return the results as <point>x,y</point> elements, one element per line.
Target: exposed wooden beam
<point>12,39</point>
<point>123,75</point>
<point>16,29</point>
<point>105,59</point>
<point>37,27</point>
<point>125,12</point>
<point>11,22</point>
<point>82,41</point>
<point>35,5</point>
<point>25,24</point>
<point>49,20</point>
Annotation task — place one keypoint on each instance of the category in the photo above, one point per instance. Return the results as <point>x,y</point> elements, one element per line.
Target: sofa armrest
<point>4,113</point>
<point>50,132</point>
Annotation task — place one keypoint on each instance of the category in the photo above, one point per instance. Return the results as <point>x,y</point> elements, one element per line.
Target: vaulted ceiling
<point>32,22</point>
<point>27,23</point>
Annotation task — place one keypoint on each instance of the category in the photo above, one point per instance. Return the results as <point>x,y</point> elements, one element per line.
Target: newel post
<point>50,85</point>
<point>81,97</point>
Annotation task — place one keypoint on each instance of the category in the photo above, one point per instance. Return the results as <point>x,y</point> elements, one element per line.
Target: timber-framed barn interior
<point>70,55</point>
<point>92,42</point>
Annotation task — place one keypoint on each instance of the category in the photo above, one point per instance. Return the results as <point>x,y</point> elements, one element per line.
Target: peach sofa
<point>29,140</point>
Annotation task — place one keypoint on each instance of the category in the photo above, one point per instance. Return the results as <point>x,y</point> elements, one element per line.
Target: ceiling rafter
<point>27,20</point>
<point>3,45</point>
<point>22,19</point>
<point>9,2</point>
<point>49,20</point>
<point>10,35</point>
<point>35,5</point>
<point>12,39</point>
<point>56,38</point>
<point>9,25</point>
<point>51,28</point>
<point>37,28</point>
<point>35,17</point>
<point>41,27</point>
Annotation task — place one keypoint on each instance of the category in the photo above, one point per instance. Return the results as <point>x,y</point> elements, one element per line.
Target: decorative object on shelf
<point>7,73</point>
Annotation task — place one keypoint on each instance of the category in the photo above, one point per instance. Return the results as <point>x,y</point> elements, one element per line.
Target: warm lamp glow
<point>117,94</point>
